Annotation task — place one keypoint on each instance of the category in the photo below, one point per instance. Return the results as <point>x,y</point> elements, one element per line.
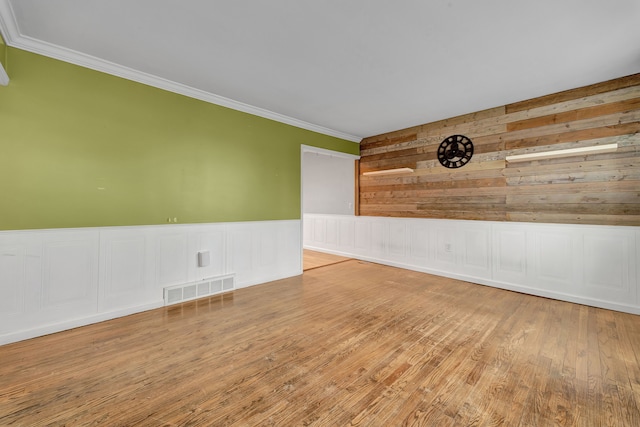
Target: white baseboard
<point>502,285</point>
<point>75,323</point>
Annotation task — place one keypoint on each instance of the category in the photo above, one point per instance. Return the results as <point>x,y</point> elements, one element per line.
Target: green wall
<point>80,148</point>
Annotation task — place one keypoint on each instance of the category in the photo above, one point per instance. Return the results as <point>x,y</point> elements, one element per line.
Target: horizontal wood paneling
<point>556,98</point>
<point>581,114</point>
<point>589,189</point>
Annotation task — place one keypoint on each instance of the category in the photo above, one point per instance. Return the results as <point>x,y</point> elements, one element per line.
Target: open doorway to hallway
<point>328,187</point>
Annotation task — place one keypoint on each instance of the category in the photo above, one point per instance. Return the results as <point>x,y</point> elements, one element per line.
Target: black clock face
<point>455,151</point>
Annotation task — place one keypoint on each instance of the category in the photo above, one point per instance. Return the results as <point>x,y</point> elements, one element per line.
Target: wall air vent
<point>204,288</point>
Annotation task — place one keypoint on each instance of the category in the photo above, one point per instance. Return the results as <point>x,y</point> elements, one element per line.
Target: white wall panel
<point>319,230</point>
<point>70,273</point>
<point>33,272</point>
<point>605,258</point>
<point>608,267</point>
<point>554,260</point>
<point>13,287</point>
<point>264,251</point>
<point>209,238</point>
<point>595,265</point>
<point>475,249</point>
<point>60,272</point>
<point>126,275</point>
<point>125,266</point>
<point>636,265</point>
<point>397,239</point>
<point>267,252</point>
<point>331,227</point>
<point>20,280</point>
<point>510,247</point>
<point>445,246</point>
<point>172,262</point>
<point>51,280</point>
<point>346,238</point>
<point>362,239</point>
<point>289,241</point>
<point>379,237</point>
<point>418,242</point>
<point>307,232</point>
<point>12,281</point>
<point>240,255</point>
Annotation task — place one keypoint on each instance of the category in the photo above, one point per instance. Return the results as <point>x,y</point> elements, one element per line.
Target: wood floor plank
<point>352,343</point>
<point>315,259</point>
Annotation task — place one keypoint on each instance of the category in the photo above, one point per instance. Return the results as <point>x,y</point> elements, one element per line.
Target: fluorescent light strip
<point>607,148</point>
<point>389,171</point>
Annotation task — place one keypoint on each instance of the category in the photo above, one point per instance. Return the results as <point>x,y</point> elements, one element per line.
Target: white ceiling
<point>349,68</point>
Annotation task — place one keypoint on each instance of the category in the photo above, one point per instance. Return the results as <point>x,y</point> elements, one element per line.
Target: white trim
<point>596,149</point>
<point>10,29</point>
<point>4,78</point>
<point>318,150</point>
<point>75,323</point>
<point>302,151</point>
<point>150,227</point>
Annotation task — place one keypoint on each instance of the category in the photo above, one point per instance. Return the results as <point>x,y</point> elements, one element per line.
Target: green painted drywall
<point>80,148</point>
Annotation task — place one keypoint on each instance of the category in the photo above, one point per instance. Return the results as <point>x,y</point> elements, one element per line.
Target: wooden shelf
<point>388,171</point>
<point>606,148</point>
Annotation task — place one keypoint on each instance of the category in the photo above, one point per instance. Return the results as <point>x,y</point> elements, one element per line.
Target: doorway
<point>327,187</point>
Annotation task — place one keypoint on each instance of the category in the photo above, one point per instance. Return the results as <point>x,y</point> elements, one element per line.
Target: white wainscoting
<point>587,264</point>
<point>51,280</point>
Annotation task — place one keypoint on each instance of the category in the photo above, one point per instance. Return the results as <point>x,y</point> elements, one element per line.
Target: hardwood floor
<point>314,259</point>
<point>353,343</point>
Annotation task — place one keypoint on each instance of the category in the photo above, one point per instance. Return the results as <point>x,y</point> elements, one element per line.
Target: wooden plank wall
<point>587,189</point>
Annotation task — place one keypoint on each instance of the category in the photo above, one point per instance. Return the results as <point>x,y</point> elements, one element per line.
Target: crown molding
<point>10,30</point>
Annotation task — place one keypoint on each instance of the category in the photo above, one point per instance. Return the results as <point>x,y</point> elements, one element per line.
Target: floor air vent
<point>204,288</point>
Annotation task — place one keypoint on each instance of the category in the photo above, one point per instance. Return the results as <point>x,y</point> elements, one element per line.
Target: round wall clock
<point>455,151</point>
